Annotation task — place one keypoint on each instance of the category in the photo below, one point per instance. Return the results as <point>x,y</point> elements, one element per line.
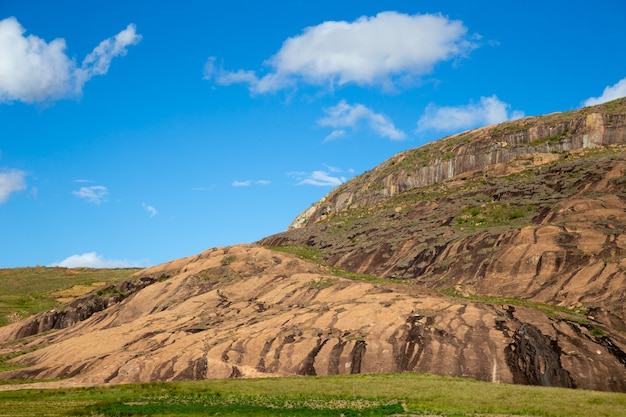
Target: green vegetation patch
<point>303,252</point>
<point>314,255</point>
<point>403,394</point>
<point>496,214</point>
<point>227,260</point>
<point>321,282</point>
<point>28,291</point>
<point>6,366</point>
<point>250,405</point>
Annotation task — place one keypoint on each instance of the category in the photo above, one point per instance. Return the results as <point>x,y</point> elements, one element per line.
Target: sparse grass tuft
<point>496,214</point>
<point>551,311</point>
<point>597,332</point>
<point>314,255</point>
<point>303,252</point>
<point>321,282</point>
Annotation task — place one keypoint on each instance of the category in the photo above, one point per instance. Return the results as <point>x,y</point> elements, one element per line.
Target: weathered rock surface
<point>500,149</point>
<point>554,235</point>
<point>248,311</point>
<point>499,255</point>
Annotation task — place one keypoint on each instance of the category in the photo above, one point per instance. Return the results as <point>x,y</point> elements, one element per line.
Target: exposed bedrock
<point>254,312</point>
<point>499,150</point>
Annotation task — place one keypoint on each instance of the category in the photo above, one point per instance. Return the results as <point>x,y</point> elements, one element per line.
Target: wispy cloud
<point>99,60</point>
<point>345,116</point>
<point>320,178</point>
<point>93,260</point>
<point>11,181</point>
<point>150,209</point>
<point>37,71</point>
<point>95,194</point>
<point>335,134</point>
<point>335,169</point>
<point>611,92</point>
<point>208,188</point>
<point>489,110</point>
<point>248,183</point>
<point>385,50</point>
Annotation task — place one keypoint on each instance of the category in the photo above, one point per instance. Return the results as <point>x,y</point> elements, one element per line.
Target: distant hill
<point>496,254</point>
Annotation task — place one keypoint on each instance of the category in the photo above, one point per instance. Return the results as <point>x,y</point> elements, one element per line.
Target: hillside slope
<point>247,311</point>
<point>546,227</point>
<point>496,254</point>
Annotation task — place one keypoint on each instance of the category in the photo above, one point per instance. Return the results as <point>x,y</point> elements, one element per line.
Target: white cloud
<point>611,92</point>
<point>248,183</point>
<point>489,110</point>
<point>317,178</point>
<point>93,260</point>
<point>381,50</point>
<point>11,180</point>
<point>32,70</point>
<point>150,209</point>
<point>344,115</point>
<point>99,60</point>
<point>335,134</point>
<point>95,194</point>
<point>333,169</point>
<point>227,77</point>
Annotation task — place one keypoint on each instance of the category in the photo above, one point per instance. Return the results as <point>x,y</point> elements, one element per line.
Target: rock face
<point>248,311</point>
<point>492,148</point>
<point>553,234</point>
<point>496,254</point>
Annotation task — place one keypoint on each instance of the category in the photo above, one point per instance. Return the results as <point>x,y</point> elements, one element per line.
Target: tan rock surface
<point>246,311</point>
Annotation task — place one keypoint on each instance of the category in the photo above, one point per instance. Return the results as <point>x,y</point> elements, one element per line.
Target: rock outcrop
<point>492,148</point>
<point>247,311</point>
<point>553,234</point>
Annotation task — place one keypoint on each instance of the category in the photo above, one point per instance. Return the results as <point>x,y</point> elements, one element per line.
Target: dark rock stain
<point>535,359</point>
<point>266,348</point>
<point>408,348</point>
<point>274,366</point>
<point>197,369</point>
<point>335,357</point>
<point>619,354</point>
<point>308,364</point>
<point>358,351</point>
<point>235,373</point>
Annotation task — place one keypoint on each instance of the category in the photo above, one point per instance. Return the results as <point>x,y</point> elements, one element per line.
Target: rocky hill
<point>496,254</point>
<point>491,151</point>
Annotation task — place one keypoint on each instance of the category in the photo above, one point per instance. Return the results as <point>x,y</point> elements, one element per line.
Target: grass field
<point>357,395</point>
<point>27,291</point>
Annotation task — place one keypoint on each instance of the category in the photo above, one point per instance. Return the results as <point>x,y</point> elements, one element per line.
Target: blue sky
<point>133,132</point>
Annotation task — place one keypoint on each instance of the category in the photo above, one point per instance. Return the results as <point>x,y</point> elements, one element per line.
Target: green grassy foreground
<point>357,395</point>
